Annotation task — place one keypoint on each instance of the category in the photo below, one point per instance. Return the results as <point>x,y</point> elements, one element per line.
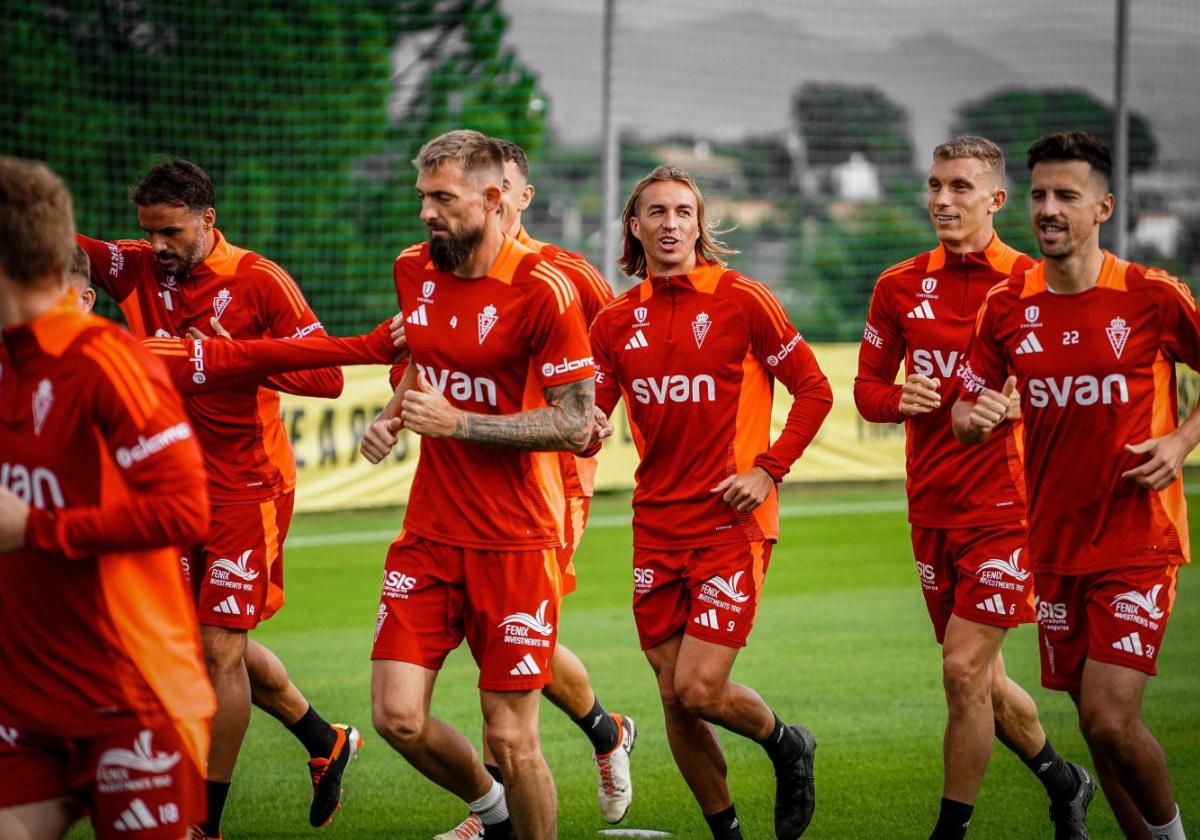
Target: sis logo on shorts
<point>519,625</point>
<point>116,768</point>
<point>643,581</point>
<point>928,575</point>
<point>1051,616</point>
<point>397,584</point>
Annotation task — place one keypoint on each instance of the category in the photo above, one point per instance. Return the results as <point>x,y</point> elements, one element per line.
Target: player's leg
<point>224,656</point>
<point>968,656</point>
<point>330,747</point>
<point>694,745</point>
<point>400,698</point>
<point>1128,758</point>
<point>510,720</point>
<point>45,820</point>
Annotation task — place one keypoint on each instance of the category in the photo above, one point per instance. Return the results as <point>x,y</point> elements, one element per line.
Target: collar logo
<point>700,328</point>
<point>487,320</point>
<point>221,303</point>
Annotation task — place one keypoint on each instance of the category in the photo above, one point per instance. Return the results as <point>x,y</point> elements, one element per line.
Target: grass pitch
<point>842,644</point>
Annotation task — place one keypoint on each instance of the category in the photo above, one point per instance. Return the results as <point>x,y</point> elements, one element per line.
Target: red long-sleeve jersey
<point>696,357</point>
<point>197,366</point>
<point>1096,371</point>
<point>922,313</point>
<point>245,446</point>
<point>490,345</point>
<point>594,293</point>
<point>97,631</point>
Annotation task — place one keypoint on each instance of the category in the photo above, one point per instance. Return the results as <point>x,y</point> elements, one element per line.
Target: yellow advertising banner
<point>332,475</point>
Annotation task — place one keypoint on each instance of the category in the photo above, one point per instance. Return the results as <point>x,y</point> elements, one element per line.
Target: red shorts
<point>238,573</point>
<point>140,783</point>
<point>975,574</point>
<point>504,603</point>
<point>576,520</point>
<point>711,593</point>
<point>1118,616</point>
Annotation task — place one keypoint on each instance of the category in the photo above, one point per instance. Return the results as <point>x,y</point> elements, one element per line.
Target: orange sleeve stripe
<point>105,363</point>
<point>1157,274</point>
<point>595,279</point>
<point>898,268</point>
<point>290,289</point>
<point>165,347</point>
<point>768,303</point>
<point>557,281</point>
<point>411,250</point>
<point>134,372</point>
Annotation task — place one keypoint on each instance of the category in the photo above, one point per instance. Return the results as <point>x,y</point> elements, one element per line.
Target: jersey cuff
<point>770,467</point>
<point>44,532</point>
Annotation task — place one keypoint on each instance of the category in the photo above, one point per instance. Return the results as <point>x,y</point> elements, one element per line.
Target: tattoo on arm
<point>564,424</point>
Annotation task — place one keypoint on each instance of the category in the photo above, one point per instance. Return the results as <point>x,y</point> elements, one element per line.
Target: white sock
<point>492,807</point>
<point>1171,831</point>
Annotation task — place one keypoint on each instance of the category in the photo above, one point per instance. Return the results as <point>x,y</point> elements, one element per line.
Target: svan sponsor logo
<point>37,487</point>
<point>1081,390</point>
<point>461,386</point>
<point>677,388</point>
<point>934,362</point>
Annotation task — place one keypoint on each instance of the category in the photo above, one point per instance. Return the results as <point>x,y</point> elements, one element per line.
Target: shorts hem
<point>1151,670</point>
<point>989,621</point>
<point>723,641</point>
<point>390,656</point>
<point>228,623</point>
<point>535,684</point>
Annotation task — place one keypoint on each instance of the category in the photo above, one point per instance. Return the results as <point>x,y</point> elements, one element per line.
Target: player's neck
<point>657,269</point>
<point>514,230</point>
<point>483,256</point>
<point>1075,273</point>
<point>23,304</point>
<point>973,244</point>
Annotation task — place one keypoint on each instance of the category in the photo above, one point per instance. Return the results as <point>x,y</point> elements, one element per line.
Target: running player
<point>695,349</point>
<point>182,276</point>
<point>612,735</point>
<point>106,707</point>
<point>966,504</point>
<point>1091,342</point>
<point>502,377</point>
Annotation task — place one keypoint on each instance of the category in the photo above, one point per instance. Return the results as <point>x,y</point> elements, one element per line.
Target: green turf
<point>842,644</point>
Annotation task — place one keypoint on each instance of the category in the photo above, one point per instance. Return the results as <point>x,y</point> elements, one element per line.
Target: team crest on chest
<point>1118,333</point>
<point>700,328</point>
<point>487,320</point>
<point>43,398</point>
<point>640,314</point>
<point>221,303</point>
<point>427,289</point>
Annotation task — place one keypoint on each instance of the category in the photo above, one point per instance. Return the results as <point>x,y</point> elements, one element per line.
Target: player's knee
<point>698,698</point>
<point>1104,728</point>
<point>397,724</point>
<point>513,745</point>
<point>964,681</point>
<point>224,652</point>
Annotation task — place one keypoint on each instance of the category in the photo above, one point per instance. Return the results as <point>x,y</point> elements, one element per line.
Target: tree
<point>836,120</point>
<point>1012,118</point>
<point>291,108</point>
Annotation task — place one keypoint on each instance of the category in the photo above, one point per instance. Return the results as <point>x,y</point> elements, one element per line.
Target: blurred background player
<point>106,706</point>
<point>612,736</point>
<point>177,280</point>
<point>501,379</point>
<point>966,504</point>
<point>695,349</point>
<point>1091,341</point>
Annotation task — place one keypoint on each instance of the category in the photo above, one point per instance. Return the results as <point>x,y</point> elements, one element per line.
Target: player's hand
<point>1166,460</point>
<point>14,514</point>
<point>399,338</point>
<point>919,395</point>
<point>1014,405</point>
<point>601,428</point>
<point>991,407</point>
<point>382,346</point>
<point>380,437</point>
<point>218,331</point>
<point>427,412</point>
<point>746,490</point>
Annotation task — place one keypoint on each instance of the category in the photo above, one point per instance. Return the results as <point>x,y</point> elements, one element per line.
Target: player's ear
<point>1104,210</point>
<point>491,198</point>
<point>526,197</point>
<point>999,197</point>
<point>209,217</point>
<point>87,299</point>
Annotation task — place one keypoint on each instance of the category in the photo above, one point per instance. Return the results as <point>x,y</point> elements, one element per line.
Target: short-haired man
<point>1091,341</point>
<point>612,736</point>
<point>966,504</point>
<point>695,350</point>
<point>501,379</point>
<point>106,707</point>
<point>177,280</point>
